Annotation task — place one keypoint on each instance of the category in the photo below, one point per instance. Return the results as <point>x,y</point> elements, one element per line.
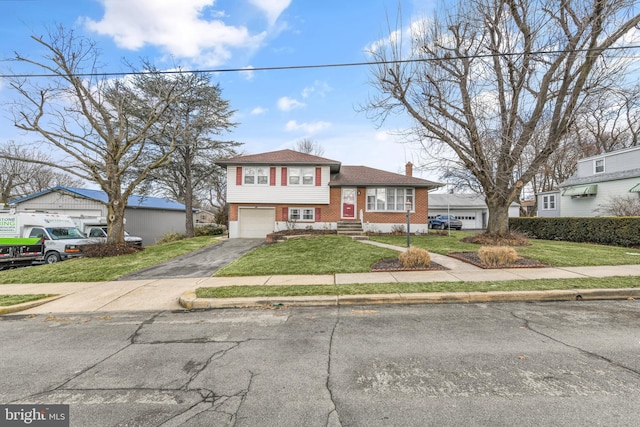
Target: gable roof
<point>134,201</point>
<point>281,157</point>
<point>366,176</point>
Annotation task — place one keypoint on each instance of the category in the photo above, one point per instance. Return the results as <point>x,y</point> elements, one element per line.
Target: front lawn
<point>552,253</point>
<point>103,269</point>
<point>326,254</point>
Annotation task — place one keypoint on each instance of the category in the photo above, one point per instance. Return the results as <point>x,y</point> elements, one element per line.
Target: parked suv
<point>445,221</point>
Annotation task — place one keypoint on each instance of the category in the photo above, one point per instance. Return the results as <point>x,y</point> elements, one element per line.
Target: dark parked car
<point>445,221</point>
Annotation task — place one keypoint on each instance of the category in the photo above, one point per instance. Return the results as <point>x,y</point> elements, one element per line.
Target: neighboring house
<point>286,189</point>
<point>205,217</point>
<point>470,208</point>
<point>596,181</point>
<point>146,217</point>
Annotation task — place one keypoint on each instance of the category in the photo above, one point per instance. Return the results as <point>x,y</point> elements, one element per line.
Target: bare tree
<point>496,74</point>
<point>621,206</point>
<point>309,146</point>
<point>20,178</point>
<point>85,119</point>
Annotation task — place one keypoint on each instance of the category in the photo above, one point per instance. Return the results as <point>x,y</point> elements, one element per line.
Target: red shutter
<point>318,176</point>
<point>318,210</point>
<point>284,177</point>
<point>239,175</point>
<point>272,176</point>
<point>285,214</point>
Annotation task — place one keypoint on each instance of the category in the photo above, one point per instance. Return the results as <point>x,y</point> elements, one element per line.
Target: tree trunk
<point>188,201</point>
<point>498,216</point>
<point>115,220</point>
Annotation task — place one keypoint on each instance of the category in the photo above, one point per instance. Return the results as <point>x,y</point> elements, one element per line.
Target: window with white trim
<point>549,202</point>
<point>598,166</point>
<point>302,214</point>
<point>258,175</point>
<point>389,199</point>
<point>302,176</point>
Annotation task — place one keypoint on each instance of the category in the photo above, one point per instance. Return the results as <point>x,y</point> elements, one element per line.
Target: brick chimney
<point>408,171</point>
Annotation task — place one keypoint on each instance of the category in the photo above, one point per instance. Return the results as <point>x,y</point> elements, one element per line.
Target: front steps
<point>352,229</point>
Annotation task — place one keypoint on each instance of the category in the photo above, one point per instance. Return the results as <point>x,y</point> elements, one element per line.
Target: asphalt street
<point>493,364</point>
<point>201,263</point>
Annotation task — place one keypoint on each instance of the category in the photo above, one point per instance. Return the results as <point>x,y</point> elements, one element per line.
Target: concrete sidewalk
<point>179,293</point>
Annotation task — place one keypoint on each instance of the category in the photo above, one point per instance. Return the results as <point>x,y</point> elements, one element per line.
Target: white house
<point>596,181</point>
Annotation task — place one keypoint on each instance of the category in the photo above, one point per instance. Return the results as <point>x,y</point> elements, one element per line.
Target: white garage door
<point>470,219</point>
<point>256,223</point>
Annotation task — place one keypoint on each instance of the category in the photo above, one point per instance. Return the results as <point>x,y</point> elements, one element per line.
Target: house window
<point>598,166</point>
<point>549,202</point>
<point>389,199</point>
<point>256,175</point>
<point>301,176</point>
<point>302,214</point>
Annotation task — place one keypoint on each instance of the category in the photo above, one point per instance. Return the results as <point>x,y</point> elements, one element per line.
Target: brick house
<point>286,189</point>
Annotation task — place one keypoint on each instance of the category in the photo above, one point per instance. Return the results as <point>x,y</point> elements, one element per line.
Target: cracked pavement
<point>477,364</point>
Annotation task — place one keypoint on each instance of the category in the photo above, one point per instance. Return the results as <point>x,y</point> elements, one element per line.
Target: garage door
<point>256,223</point>
<point>470,219</point>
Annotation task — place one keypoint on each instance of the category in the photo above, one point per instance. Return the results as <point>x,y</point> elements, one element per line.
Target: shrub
<point>101,250</point>
<point>397,229</point>
<point>208,230</point>
<point>171,237</point>
<point>497,255</point>
<point>415,257</point>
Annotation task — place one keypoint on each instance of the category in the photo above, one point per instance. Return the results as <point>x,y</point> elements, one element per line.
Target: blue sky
<point>274,108</point>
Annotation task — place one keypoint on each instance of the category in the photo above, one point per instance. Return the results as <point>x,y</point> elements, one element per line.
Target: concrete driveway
<point>201,263</point>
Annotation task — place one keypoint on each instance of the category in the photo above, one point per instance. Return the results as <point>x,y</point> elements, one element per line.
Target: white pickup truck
<point>96,230</point>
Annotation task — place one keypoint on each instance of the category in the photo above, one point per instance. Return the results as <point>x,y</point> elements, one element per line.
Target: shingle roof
<point>134,201</point>
<point>282,157</point>
<point>366,176</point>
<point>604,177</point>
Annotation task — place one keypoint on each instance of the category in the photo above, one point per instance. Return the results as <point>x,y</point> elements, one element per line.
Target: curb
<point>27,305</point>
<point>189,301</point>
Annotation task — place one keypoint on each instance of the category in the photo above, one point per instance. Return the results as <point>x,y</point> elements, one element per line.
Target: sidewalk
<point>179,293</point>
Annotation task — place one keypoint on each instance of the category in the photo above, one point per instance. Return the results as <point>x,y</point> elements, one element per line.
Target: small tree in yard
<point>86,119</point>
<point>495,77</point>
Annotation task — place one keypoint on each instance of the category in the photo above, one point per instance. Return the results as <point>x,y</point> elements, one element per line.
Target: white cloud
<point>319,88</point>
<point>179,28</point>
<point>272,8</point>
<point>287,104</point>
<point>310,128</point>
<point>258,111</point>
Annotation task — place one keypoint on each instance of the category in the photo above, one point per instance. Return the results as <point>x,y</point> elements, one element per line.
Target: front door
<point>349,203</point>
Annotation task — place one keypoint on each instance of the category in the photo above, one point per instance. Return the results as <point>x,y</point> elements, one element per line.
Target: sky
<point>274,109</point>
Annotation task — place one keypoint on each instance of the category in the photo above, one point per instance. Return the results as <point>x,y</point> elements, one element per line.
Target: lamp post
<point>408,206</point>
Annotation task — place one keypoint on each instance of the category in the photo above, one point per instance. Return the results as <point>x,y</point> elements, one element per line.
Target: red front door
<point>348,203</point>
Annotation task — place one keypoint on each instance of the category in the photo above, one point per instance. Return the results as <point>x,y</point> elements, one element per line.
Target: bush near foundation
<point>415,257</point>
<point>497,255</point>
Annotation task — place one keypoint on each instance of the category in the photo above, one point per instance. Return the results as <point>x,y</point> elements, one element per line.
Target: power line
<point>314,66</point>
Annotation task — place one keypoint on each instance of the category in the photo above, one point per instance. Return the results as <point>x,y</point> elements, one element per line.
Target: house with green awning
<point>597,179</point>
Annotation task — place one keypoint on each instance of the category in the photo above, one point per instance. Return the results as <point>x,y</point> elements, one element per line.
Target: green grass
<point>553,253</point>
<point>6,300</point>
<point>326,254</point>
<point>102,269</point>
<point>395,288</point>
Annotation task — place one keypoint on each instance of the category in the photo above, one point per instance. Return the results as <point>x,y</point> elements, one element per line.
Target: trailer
<point>20,252</point>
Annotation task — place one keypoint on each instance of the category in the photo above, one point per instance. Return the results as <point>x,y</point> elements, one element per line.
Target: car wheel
<point>442,226</point>
<point>52,257</point>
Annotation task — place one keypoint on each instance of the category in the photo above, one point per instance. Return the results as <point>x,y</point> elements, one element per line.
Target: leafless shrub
<point>620,206</point>
<point>497,255</point>
<point>415,257</point>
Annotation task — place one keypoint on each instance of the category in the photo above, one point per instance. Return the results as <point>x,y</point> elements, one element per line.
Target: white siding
<point>589,206</point>
<point>300,194</point>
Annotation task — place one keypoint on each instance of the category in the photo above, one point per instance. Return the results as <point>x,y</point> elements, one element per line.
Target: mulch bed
<point>393,264</point>
<point>473,258</point>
